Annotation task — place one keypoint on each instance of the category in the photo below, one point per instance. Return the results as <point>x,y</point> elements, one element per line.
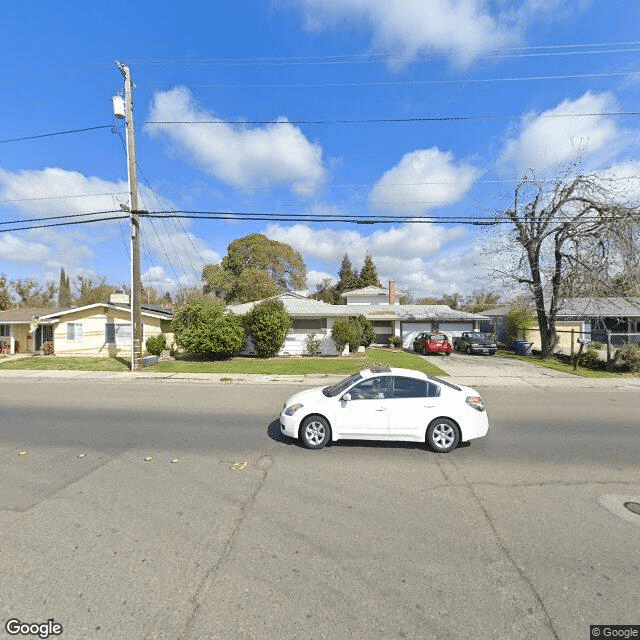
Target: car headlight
<point>289,411</point>
<point>475,344</point>
<point>475,402</point>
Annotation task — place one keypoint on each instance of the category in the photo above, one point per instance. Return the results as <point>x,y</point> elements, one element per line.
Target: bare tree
<point>574,237</point>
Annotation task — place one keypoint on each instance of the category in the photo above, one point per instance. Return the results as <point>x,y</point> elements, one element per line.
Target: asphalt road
<point>250,536</point>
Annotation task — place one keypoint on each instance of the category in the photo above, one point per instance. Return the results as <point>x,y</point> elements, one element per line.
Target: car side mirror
<point>346,396</point>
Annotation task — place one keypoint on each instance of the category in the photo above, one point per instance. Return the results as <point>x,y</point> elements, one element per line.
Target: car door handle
<point>381,409</point>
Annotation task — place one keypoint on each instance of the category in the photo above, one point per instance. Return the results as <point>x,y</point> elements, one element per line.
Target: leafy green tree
<point>31,294</point>
<point>481,300</point>
<point>368,274</point>
<point>202,328</point>
<point>268,324</point>
<point>254,284</point>
<point>5,297</point>
<point>347,331</point>
<point>283,263</point>
<point>255,267</point>
<point>327,292</point>
<point>92,290</point>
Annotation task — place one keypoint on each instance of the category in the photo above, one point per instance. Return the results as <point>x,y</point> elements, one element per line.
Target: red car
<point>432,343</point>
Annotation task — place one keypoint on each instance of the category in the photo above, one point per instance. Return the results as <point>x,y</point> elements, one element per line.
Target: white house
<point>378,305</point>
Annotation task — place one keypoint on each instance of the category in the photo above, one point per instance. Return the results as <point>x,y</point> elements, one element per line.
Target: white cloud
<point>15,249</point>
<point>78,248</point>
<point>462,30</point>
<point>315,277</point>
<point>416,256</point>
<point>546,140</point>
<point>422,180</point>
<point>239,155</point>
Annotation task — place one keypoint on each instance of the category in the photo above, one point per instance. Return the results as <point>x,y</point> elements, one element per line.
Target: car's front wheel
<point>442,435</point>
<point>315,432</point>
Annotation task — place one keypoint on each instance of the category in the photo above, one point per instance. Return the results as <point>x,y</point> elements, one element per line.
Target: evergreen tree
<point>368,274</point>
<point>64,290</point>
<point>347,276</point>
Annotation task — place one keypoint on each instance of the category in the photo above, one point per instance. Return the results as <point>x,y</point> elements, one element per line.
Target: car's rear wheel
<point>424,351</point>
<point>468,350</point>
<point>315,432</point>
<point>442,435</point>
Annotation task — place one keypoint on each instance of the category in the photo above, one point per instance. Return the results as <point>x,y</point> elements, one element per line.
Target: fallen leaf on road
<point>148,458</point>
<point>23,453</point>
<point>175,460</point>
<point>82,455</point>
<point>240,466</point>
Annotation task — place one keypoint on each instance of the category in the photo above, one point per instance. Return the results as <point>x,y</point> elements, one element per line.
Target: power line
<point>397,120</point>
<point>62,224</point>
<point>344,59</point>
<point>433,81</point>
<point>77,195</point>
<point>56,133</point>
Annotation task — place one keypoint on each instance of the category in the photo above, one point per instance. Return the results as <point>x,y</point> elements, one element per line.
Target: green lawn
<point>561,366</point>
<point>270,366</point>
<point>51,363</point>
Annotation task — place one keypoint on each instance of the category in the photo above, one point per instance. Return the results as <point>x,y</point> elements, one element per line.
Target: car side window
<point>433,390</point>
<point>376,388</point>
<point>410,388</point>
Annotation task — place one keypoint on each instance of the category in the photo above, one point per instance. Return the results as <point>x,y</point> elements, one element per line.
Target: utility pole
<point>136,285</point>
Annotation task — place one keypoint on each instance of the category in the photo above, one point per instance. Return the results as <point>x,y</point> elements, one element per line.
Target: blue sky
<point>275,82</point>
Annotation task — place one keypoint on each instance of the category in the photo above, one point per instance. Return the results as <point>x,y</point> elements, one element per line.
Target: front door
<point>365,414</point>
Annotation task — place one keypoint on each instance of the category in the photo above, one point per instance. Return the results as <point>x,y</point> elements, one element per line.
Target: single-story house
<point>378,305</point>
<point>101,329</point>
<point>579,318</point>
<point>17,329</point>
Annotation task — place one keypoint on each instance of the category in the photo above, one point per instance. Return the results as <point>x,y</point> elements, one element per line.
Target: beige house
<point>101,329</point>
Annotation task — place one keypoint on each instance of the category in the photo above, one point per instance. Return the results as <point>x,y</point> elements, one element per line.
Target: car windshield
<point>438,338</point>
<point>475,336</point>
<point>339,387</point>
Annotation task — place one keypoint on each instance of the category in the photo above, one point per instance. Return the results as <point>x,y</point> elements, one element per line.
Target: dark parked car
<point>474,342</point>
<point>432,343</point>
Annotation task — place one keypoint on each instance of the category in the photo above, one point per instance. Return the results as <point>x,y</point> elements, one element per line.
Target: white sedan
<point>386,403</point>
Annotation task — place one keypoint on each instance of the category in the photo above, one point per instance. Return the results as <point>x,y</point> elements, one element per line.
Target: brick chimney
<point>392,292</point>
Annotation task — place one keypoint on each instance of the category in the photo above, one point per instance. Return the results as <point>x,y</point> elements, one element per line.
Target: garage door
<point>410,330</point>
<point>455,328</point>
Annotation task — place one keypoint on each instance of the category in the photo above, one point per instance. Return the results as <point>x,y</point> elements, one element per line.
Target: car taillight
<point>475,402</point>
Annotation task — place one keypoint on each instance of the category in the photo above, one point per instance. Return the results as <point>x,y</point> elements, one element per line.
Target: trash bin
<point>517,347</point>
<point>526,348</point>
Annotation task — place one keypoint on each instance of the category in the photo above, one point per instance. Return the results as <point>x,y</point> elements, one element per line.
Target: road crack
<point>263,465</point>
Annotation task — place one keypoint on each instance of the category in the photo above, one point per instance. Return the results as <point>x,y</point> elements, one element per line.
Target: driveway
<point>496,371</point>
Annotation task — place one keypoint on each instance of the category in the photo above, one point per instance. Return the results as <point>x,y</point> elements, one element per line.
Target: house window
<point>118,334</point>
<point>309,324</point>
<point>75,331</point>
<point>5,330</point>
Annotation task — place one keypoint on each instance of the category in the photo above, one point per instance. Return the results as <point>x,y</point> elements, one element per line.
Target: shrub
<point>311,344</point>
<point>156,344</point>
<point>589,359</point>
<point>268,323</point>
<point>202,328</point>
<point>395,341</point>
<point>47,348</point>
<point>366,328</point>
<point>347,331</point>
<point>630,355</point>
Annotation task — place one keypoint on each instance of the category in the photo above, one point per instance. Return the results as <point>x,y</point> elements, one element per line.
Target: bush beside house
<point>202,328</point>
<point>268,324</point>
